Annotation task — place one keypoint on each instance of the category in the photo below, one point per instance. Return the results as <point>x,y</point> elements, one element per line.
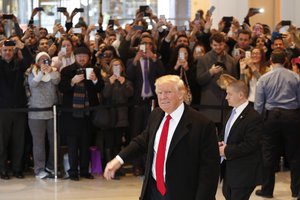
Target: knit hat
<point>82,50</point>
<point>39,55</point>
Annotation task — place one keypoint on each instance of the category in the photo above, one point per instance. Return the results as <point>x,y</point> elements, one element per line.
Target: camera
<point>9,43</point>
<point>80,71</point>
<point>40,9</point>
<point>47,62</point>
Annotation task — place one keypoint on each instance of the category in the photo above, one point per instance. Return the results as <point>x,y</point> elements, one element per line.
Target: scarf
<point>80,100</point>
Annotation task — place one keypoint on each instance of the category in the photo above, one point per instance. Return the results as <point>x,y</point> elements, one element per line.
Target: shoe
<point>42,175</point>
<point>4,175</point>
<point>50,171</point>
<point>19,175</point>
<point>74,177</point>
<point>261,194</point>
<point>87,175</point>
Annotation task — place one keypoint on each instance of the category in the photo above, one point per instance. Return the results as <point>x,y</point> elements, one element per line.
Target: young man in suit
<point>240,150</point>
<point>188,166</point>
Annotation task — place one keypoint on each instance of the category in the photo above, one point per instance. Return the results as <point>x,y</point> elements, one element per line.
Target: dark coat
<point>243,150</point>
<point>70,124</point>
<point>192,165</point>
<point>115,94</point>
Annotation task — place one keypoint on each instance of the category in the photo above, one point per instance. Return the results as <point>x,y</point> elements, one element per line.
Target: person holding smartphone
<point>181,64</point>
<point>143,70</point>
<point>65,56</point>
<point>117,90</point>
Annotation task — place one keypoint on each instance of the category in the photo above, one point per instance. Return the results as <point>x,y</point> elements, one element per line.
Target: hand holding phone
<point>117,70</point>
<point>212,9</point>
<point>181,56</point>
<point>143,48</point>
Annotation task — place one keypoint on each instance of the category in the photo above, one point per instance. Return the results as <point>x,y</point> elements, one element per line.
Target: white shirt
<point>176,116</point>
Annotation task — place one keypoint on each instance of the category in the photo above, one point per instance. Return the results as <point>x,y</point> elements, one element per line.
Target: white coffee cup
<point>88,72</point>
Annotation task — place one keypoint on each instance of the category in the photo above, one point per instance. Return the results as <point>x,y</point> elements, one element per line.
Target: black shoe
<point>19,175</point>
<point>261,194</point>
<point>4,175</point>
<point>87,175</point>
<point>74,177</point>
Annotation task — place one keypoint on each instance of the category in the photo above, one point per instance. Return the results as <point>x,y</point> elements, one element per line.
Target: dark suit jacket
<point>192,165</point>
<point>135,75</point>
<point>243,150</point>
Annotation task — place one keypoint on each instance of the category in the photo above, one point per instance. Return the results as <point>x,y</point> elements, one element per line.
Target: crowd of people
<point>119,68</point>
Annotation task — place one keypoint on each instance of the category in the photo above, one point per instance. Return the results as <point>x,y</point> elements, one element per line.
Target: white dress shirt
<point>176,116</point>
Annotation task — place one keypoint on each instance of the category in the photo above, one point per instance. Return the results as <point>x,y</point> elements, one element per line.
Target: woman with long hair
<point>252,68</point>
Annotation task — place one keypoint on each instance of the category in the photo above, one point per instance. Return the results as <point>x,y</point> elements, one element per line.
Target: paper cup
<point>88,72</point>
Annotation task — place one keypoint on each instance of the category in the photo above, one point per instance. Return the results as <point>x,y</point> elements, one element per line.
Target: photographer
<point>80,84</point>
<point>15,58</point>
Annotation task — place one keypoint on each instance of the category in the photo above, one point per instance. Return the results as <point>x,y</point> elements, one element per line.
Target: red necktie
<point>160,157</point>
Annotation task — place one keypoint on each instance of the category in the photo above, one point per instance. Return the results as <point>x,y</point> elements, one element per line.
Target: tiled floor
<point>128,188</point>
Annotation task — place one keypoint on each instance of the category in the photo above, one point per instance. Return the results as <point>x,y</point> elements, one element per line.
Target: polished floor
<point>127,188</point>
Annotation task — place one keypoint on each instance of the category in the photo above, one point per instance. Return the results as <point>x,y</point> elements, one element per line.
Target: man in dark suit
<point>240,150</point>
<point>142,71</point>
<point>190,163</point>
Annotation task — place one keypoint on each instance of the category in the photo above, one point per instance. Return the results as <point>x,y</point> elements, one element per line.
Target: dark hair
<point>65,39</point>
<point>217,37</point>
<point>112,49</point>
<point>245,32</point>
<point>174,56</point>
<point>278,56</point>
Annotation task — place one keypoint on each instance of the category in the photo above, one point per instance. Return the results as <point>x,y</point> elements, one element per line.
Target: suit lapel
<point>180,131</point>
<point>238,120</point>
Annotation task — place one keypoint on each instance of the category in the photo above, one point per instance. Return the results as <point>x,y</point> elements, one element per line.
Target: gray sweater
<point>43,94</point>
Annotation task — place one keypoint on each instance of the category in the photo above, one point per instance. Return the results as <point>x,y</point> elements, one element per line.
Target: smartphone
<point>236,53</point>
<point>248,54</point>
<point>220,64</point>
<point>138,28</point>
<point>198,49</point>
<point>63,50</point>
<point>9,43</point>
<point>77,30</point>
<point>286,22</point>
<point>181,28</point>
<point>40,9</point>
<point>57,21</point>
<point>7,16</point>
<point>79,10</point>
<point>162,17</point>
<point>228,19</point>
<point>61,9</point>
<point>143,48</point>
<point>111,23</point>
<point>212,9</point>
<point>145,10</point>
<point>197,16</point>
<point>181,55</point>
<point>116,70</point>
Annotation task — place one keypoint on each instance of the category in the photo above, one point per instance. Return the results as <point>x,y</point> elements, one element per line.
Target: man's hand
<point>222,147</point>
<point>215,70</point>
<point>76,79</point>
<point>111,168</point>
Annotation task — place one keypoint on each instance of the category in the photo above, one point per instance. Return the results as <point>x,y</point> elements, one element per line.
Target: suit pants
<point>281,127</point>
<point>231,193</point>
<point>12,139</point>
